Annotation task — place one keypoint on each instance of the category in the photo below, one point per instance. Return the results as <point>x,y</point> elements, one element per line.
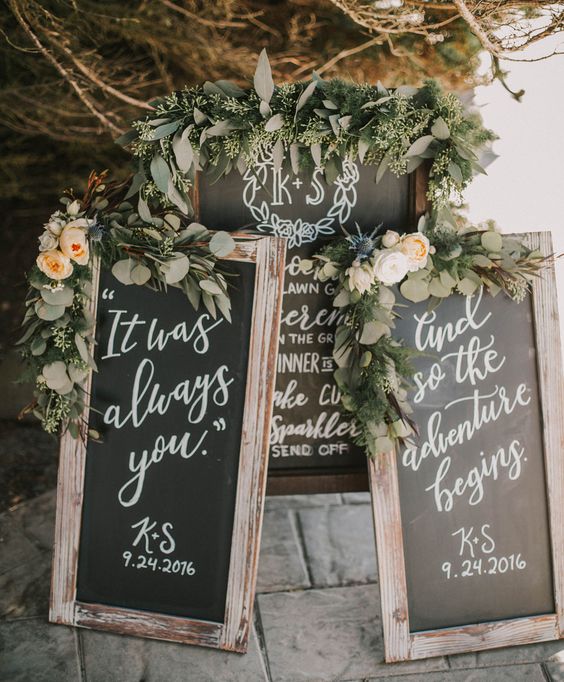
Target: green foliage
<point>57,326</point>
<point>373,368</point>
<point>218,129</point>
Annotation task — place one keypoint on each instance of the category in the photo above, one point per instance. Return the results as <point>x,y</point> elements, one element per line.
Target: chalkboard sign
<point>311,448</point>
<point>468,515</point>
<point>165,511</point>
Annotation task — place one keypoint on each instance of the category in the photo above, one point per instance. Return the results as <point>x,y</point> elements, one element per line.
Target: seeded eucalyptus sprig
<point>57,325</point>
<point>219,127</point>
<point>374,369</point>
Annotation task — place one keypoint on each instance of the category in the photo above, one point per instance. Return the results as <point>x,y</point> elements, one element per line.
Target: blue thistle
<point>362,245</point>
<point>96,232</point>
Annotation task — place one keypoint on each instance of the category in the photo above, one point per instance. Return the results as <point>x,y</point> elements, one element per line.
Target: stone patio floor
<point>316,613</point>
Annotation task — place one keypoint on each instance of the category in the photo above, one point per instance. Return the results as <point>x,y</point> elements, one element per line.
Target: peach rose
<point>74,244</point>
<point>54,264</point>
<point>416,247</point>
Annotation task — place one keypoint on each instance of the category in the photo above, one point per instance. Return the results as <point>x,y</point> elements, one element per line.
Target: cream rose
<point>47,241</point>
<point>361,277</point>
<point>390,267</point>
<point>54,264</point>
<point>416,247</point>
<point>390,239</point>
<point>74,244</point>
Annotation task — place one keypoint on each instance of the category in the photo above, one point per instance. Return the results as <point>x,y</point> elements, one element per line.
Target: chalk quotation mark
<point>220,424</point>
<point>108,294</point>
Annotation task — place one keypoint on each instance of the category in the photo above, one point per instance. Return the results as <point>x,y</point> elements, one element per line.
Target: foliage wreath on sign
<point>140,228</point>
<point>374,369</point>
<point>58,325</point>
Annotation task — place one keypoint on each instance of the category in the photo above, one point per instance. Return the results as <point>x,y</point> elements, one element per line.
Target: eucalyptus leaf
<point>383,444</point>
<point>303,98</point>
<point>440,129</point>
<point>211,287</point>
<point>183,152</point>
<point>455,172</point>
<point>447,280</point>
<point>420,145</point>
<point>365,359</point>
<point>274,123</point>
<point>210,304</point>
<point>482,261</point>
<point>38,346</point>
<point>436,288</point>
<point>48,312</point>
<point>199,116</point>
<point>491,241</point>
<point>175,269</point>
<point>467,287</point>
<point>164,131</point>
<point>77,374</point>
<point>373,332</point>
<point>342,299</point>
<point>143,210</point>
<point>230,89</point>
<point>222,244</point>
<point>140,274</point>
<point>278,154</point>
<point>382,167</point>
<point>414,290</point>
<point>58,296</point>
<point>315,150</point>
<point>160,172</point>
<point>81,347</point>
<point>264,85</point>
<point>295,157</point>
<point>363,147</point>
<point>55,374</point>
<point>121,270</point>
<point>224,305</point>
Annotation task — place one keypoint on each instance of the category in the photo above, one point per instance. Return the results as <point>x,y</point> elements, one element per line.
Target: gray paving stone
<point>109,657</point>
<point>331,634</point>
<point>530,653</point>
<point>37,518</point>
<point>24,590</point>
<point>301,501</point>
<point>555,670</point>
<point>339,544</point>
<point>32,650</point>
<point>509,673</point>
<point>356,498</point>
<point>281,562</point>
<point>15,547</point>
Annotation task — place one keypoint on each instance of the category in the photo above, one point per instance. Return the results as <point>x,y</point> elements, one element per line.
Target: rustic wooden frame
<point>399,642</point>
<point>269,255</point>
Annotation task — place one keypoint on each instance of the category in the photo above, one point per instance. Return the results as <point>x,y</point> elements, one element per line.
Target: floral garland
<point>308,126</point>
<point>57,325</point>
<point>373,369</point>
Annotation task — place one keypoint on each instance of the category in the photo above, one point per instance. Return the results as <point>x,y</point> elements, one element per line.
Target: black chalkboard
<point>473,495</point>
<point>309,430</point>
<point>159,538</point>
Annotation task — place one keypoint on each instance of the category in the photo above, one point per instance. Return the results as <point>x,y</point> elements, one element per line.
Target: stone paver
<point>130,659</point>
<point>301,501</point>
<point>331,634</point>
<point>32,650</point>
<point>281,563</point>
<point>356,498</point>
<point>510,673</point>
<point>555,670</point>
<point>339,544</point>
<point>24,590</point>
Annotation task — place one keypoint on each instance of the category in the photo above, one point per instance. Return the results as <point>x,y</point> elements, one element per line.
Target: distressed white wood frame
<point>268,253</point>
<point>399,642</point>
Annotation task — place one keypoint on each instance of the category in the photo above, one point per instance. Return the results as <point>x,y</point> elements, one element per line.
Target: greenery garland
<point>57,324</point>
<point>219,127</point>
<point>374,369</point>
<point>215,129</point>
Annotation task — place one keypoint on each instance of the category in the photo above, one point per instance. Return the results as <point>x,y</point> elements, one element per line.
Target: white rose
<point>390,267</point>
<point>390,239</point>
<point>55,226</point>
<point>361,277</point>
<point>47,241</point>
<point>416,247</point>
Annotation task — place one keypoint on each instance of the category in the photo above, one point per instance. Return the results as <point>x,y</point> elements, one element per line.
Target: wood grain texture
<point>253,463</point>
<point>269,255</point>
<point>70,482</point>
<point>400,644</point>
<point>550,375</point>
<point>383,477</point>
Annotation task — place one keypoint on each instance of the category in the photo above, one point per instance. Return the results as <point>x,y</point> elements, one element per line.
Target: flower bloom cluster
<point>389,265</point>
<point>64,242</point>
